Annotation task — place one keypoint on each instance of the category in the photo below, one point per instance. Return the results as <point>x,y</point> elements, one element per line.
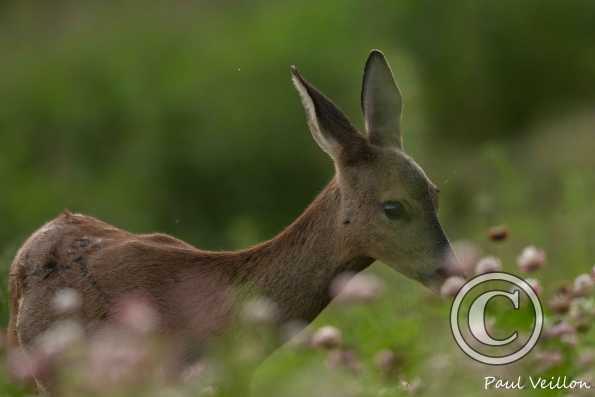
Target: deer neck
<point>296,268</point>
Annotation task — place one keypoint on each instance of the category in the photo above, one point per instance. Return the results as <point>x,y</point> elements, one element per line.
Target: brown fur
<point>192,289</point>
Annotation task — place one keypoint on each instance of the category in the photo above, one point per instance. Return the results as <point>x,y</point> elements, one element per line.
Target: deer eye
<point>394,210</point>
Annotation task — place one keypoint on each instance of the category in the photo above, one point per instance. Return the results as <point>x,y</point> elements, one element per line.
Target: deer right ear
<point>329,126</point>
<point>381,102</point>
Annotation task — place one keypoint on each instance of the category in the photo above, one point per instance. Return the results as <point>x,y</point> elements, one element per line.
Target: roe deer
<point>380,205</point>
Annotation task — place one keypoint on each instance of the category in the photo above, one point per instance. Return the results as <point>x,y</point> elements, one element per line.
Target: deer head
<point>388,205</point>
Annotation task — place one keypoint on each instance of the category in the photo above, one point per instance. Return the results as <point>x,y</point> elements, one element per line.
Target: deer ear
<point>381,102</point>
<point>329,126</point>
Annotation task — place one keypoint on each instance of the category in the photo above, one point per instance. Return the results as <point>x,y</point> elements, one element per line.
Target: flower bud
<point>560,303</point>
<point>464,260</point>
<point>535,285</point>
<point>549,358</point>
<point>344,359</point>
<point>24,366</point>
<point>411,387</point>
<point>259,311</point>
<point>137,314</point>
<point>488,264</point>
<point>583,285</point>
<point>59,337</point>
<point>358,288</point>
<point>327,337</point>
<point>498,233</point>
<point>66,301</point>
<point>559,329</point>
<point>387,362</point>
<point>451,286</point>
<point>531,259</point>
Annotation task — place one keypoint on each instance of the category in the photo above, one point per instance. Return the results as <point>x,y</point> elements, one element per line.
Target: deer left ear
<point>381,102</point>
<point>329,126</point>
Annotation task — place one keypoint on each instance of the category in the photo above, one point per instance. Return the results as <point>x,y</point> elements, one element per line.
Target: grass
<point>404,319</point>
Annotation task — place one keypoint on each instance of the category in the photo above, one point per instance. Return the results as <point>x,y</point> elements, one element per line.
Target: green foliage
<point>180,117</point>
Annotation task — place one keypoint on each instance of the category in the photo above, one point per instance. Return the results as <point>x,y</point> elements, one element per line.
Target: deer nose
<point>434,280</point>
<point>449,264</point>
<point>442,272</point>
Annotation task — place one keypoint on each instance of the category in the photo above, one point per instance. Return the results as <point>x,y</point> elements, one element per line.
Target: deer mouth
<point>433,280</point>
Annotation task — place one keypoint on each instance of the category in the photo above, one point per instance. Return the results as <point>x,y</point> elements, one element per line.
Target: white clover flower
<point>488,264</point>
<point>451,286</point>
<point>259,310</point>
<point>358,288</point>
<point>327,337</point>
<point>531,259</point>
<point>583,285</point>
<point>463,258</point>
<point>66,301</point>
<point>535,285</point>
<point>137,314</point>
<point>59,337</point>
<point>386,361</point>
<point>560,329</point>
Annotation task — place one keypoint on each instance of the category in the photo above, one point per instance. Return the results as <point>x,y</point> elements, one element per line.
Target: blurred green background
<point>180,117</point>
